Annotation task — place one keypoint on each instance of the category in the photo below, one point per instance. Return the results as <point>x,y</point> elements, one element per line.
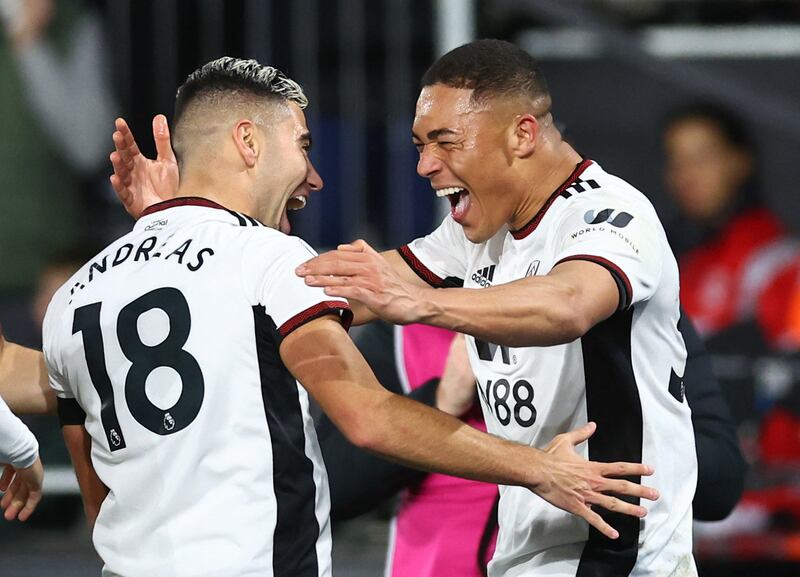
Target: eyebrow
<point>434,134</point>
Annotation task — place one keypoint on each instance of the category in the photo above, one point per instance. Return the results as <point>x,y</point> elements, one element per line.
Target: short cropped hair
<point>237,76</point>
<point>490,68</point>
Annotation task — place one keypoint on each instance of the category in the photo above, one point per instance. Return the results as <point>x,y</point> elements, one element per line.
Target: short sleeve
<point>286,299</point>
<point>626,239</point>
<point>52,357</point>
<point>440,258</point>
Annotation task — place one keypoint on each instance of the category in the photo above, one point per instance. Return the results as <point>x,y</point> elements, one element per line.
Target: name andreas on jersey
<point>144,251</point>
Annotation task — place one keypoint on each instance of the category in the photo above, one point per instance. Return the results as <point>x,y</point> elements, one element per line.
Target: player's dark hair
<point>489,68</point>
<point>729,124</point>
<point>235,75</point>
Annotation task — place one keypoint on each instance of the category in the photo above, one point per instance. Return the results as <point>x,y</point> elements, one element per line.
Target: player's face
<point>462,151</point>
<point>288,175</point>
<point>704,171</point>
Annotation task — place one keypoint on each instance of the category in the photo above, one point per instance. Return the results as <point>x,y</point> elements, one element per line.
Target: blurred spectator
<point>56,112</point>
<point>730,247</point>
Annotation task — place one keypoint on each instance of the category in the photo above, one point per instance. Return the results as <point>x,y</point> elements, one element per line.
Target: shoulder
<point>598,197</point>
<point>261,242</point>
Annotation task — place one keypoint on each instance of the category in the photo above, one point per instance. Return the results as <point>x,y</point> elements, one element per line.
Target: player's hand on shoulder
<point>140,181</point>
<point>358,273</point>
<point>23,490</point>
<point>574,484</point>
<point>456,391</point>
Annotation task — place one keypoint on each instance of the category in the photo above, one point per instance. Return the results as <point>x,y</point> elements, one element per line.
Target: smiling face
<point>464,152</point>
<point>286,175</point>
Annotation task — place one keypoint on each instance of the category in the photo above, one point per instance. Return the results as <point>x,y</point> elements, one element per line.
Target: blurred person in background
<point>731,249</point>
<point>739,276</point>
<point>56,104</point>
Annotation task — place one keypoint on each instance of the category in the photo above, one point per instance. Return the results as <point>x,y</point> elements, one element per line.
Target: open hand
<point>140,181</point>
<point>23,490</point>
<point>357,272</point>
<point>575,484</point>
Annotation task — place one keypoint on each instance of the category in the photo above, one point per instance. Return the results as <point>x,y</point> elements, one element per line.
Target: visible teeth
<point>297,203</point>
<point>448,191</point>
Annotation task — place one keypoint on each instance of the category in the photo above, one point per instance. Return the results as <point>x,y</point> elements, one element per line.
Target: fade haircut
<point>490,68</point>
<point>228,83</point>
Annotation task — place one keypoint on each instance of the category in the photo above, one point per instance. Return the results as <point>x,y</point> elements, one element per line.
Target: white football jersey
<point>625,374</point>
<point>168,340</point>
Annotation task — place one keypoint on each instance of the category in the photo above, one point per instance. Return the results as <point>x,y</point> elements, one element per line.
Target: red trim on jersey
<point>534,222</point>
<point>182,201</point>
<point>416,265</point>
<point>625,299</point>
<point>317,311</point>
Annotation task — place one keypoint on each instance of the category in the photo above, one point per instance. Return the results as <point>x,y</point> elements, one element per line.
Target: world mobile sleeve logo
<point>620,219</point>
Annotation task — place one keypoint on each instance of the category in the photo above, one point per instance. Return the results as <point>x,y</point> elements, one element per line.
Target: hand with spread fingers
<point>359,273</point>
<point>140,181</point>
<point>23,490</point>
<point>576,484</point>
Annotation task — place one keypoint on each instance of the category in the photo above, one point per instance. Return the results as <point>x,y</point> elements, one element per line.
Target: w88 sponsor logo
<point>507,401</point>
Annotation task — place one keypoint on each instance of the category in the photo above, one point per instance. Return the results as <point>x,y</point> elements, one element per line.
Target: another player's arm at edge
<point>321,356</point>
<point>23,380</point>
<point>93,491</point>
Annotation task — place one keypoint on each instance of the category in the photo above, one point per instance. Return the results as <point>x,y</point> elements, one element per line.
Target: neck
<point>230,193</point>
<point>545,174</point>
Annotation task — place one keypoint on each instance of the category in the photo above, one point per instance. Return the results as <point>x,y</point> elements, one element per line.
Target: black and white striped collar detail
<point>560,191</point>
<point>242,219</point>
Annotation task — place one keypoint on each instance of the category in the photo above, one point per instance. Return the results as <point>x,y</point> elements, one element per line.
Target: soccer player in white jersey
<point>174,354</point>
<point>570,295</point>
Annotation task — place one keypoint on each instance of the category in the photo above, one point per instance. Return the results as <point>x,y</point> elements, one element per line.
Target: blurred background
<point>695,102</point>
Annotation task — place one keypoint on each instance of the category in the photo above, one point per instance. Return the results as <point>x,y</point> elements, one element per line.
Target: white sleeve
<point>18,446</point>
<point>624,238</point>
<point>52,357</point>
<point>440,258</point>
<point>285,297</point>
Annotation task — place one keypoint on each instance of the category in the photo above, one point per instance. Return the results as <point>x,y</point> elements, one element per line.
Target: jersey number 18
<point>144,360</point>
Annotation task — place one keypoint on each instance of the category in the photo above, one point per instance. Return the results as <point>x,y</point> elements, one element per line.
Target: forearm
<point>93,491</point>
<point>23,381</point>
<point>721,471</point>
<point>408,432</point>
<point>403,429</point>
<point>530,312</point>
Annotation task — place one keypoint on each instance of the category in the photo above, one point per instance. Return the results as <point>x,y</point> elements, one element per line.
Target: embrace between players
<point>177,385</point>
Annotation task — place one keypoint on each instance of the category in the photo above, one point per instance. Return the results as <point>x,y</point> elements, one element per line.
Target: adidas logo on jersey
<point>484,276</point>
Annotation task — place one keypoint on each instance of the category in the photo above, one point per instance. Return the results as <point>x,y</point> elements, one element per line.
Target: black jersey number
<point>144,360</point>
<point>496,396</point>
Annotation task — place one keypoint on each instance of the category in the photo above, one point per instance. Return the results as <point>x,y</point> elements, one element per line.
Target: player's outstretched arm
<point>321,356</point>
<point>140,181</point>
<point>23,380</point>
<point>93,491</point>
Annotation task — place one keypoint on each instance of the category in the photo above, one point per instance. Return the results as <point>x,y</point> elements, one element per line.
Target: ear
<point>246,141</point>
<point>525,132</point>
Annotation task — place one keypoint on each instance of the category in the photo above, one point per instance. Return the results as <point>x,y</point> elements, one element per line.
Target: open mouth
<point>297,203</point>
<point>459,200</point>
